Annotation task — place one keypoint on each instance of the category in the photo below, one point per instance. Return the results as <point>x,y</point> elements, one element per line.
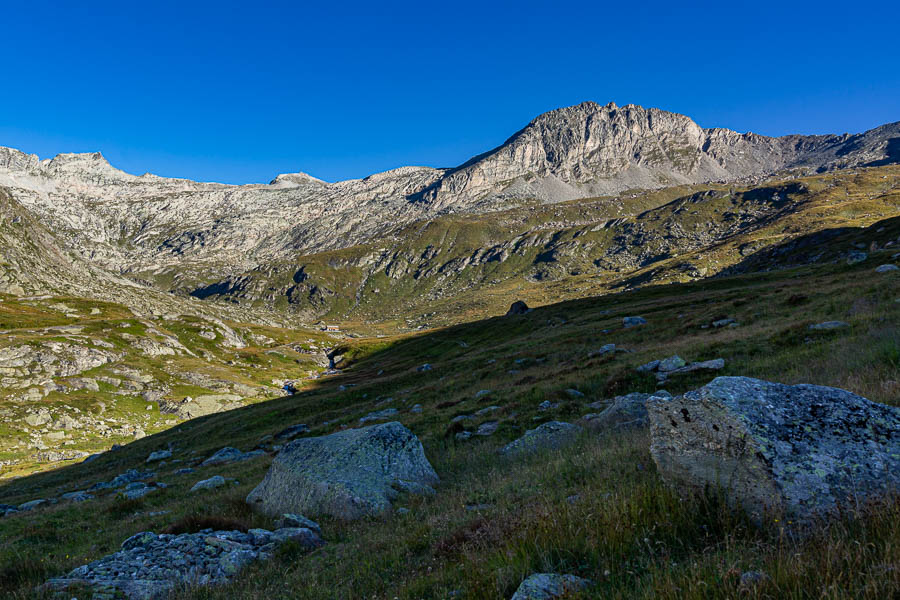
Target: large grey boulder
<point>347,474</point>
<point>796,450</point>
<point>545,586</point>
<point>549,436</point>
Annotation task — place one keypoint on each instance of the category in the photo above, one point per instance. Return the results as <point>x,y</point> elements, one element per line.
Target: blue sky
<point>241,91</point>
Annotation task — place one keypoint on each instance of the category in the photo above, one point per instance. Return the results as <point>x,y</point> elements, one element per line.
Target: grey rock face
<point>347,474</point>
<point>550,435</point>
<point>546,586</point>
<point>799,450</point>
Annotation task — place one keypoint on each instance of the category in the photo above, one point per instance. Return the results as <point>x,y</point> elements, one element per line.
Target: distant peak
<point>294,179</point>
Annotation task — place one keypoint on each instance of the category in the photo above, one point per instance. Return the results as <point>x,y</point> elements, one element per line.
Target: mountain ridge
<point>184,235</point>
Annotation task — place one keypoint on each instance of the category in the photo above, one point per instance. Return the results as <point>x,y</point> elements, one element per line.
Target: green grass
<point>597,509</point>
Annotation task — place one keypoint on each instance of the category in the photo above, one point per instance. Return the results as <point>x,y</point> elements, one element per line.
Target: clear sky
<point>241,91</point>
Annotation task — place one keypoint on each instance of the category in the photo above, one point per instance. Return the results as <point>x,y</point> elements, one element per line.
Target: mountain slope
<point>174,229</point>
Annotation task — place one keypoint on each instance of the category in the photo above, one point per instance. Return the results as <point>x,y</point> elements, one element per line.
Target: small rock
<point>291,432</point>
<point>550,435</point>
<point>159,455</point>
<point>671,363</point>
<point>487,428</point>
<point>603,350</point>
<point>80,496</point>
<point>855,257</point>
<point>887,268</point>
<point>546,586</point>
<point>209,484</point>
<point>292,520</point>
<point>574,394</point>
<point>723,323</point>
<point>379,415</point>
<point>827,325</point>
<point>629,322</point>
<point>424,368</point>
<point>753,578</point>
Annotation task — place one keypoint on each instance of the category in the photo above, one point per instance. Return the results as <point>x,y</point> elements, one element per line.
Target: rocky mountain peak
<point>296,179</point>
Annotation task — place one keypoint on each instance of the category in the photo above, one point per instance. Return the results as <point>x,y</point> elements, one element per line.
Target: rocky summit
<point>620,355</point>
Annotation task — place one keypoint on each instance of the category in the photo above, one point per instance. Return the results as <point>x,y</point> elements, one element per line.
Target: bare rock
<point>797,450</point>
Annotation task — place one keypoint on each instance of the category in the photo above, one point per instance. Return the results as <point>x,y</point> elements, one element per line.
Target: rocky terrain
<point>210,239</point>
<point>728,437</point>
<point>692,391</point>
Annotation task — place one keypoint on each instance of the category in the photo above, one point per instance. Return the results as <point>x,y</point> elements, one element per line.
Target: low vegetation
<point>597,509</point>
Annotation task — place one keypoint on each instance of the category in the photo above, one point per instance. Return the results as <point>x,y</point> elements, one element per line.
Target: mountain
<point>214,240</point>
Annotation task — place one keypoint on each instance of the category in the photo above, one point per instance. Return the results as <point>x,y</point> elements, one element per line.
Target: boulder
<point>209,484</point>
<point>347,474</point>
<point>291,432</point>
<point>886,268</point>
<point>828,325</point>
<point>550,435</point>
<point>671,363</point>
<point>629,322</point>
<point>230,455</point>
<point>379,415</point>
<point>545,586</point>
<point>796,450</point>
<point>517,308</point>
<point>159,455</point>
<point>855,257</point>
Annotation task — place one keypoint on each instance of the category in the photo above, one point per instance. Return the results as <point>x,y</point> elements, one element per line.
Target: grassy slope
<point>598,509</point>
<point>25,322</point>
<point>568,250</point>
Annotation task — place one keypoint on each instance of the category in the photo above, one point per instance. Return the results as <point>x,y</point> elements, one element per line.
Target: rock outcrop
<point>796,450</point>
<point>150,566</point>
<point>347,474</point>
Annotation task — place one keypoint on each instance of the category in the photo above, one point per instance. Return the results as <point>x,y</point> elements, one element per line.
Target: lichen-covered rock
<point>347,474</point>
<point>797,450</point>
<point>150,566</point>
<point>545,586</point>
<point>550,435</point>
